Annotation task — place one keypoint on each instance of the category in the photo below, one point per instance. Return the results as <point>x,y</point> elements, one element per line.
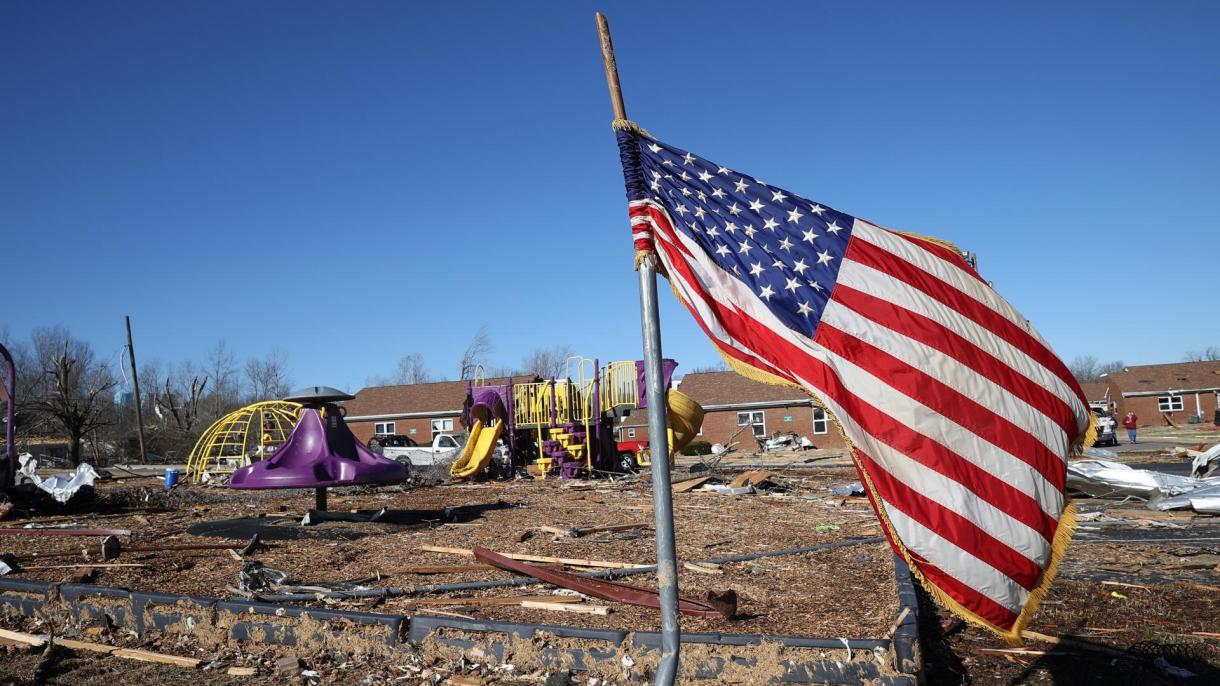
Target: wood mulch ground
<point>773,593</point>
<point>1138,599</point>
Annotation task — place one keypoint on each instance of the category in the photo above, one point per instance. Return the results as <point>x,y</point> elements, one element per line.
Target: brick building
<point>1177,391</point>
<point>417,410</point>
<point>1097,393</point>
<point>740,409</point>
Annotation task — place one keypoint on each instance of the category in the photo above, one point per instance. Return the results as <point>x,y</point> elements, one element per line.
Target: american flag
<point>959,415</point>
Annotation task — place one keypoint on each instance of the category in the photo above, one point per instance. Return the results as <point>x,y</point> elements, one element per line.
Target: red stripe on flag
<point>870,255</point>
<point>935,335</point>
<point>939,251</point>
<point>953,527</point>
<point>945,401</point>
<point>986,486</point>
<point>977,603</point>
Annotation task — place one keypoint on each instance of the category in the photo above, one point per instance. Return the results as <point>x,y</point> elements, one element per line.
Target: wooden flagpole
<point>658,430</point>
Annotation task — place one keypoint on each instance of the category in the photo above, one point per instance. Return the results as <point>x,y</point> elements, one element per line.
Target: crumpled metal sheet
<point>1103,478</point>
<point>1205,499</point>
<point>1206,462</point>
<point>61,487</point>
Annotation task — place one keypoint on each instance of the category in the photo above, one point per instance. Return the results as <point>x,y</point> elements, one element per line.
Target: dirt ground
<point>1137,596</point>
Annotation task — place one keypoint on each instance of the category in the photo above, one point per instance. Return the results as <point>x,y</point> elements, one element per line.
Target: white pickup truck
<point>444,448</point>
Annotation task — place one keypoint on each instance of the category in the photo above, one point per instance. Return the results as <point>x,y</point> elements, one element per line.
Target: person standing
<point>1130,421</point>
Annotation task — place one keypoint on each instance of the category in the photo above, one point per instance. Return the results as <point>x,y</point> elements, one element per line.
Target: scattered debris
<point>497,600</point>
<point>566,607</point>
<point>128,653</point>
<point>61,487</point>
<point>1101,478</point>
<point>533,558</point>
<point>35,530</point>
<point>723,604</point>
<point>577,533</point>
<point>317,516</point>
<point>111,548</point>
<point>854,488</point>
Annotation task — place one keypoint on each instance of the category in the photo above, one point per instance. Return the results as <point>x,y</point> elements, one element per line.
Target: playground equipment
<point>320,452</point>
<point>567,425</point>
<point>243,436</point>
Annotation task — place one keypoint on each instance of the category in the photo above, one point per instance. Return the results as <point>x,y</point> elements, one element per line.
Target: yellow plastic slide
<point>478,450</point>
<point>685,419</point>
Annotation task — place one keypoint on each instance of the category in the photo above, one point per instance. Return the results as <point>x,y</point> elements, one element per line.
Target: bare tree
<point>1208,354</point>
<point>268,378</point>
<point>1084,367</point>
<point>1088,368</point>
<point>412,370</point>
<point>70,387</point>
<point>179,399</point>
<point>221,368</point>
<point>476,353</point>
<point>548,363</point>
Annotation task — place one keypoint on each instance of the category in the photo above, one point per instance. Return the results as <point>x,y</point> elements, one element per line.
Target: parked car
<point>444,447</point>
<point>1107,428</point>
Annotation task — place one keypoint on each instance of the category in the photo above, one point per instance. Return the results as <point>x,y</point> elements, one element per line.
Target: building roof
<point>1151,379</point>
<point>728,389</point>
<point>1094,390</point>
<point>441,397</point>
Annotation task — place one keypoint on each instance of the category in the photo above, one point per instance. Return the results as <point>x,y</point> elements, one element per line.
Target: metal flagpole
<point>658,430</point>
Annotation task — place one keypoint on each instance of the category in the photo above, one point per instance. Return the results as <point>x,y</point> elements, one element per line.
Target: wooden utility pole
<point>135,383</point>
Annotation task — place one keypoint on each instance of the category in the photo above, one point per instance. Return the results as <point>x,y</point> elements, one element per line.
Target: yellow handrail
<point>619,386</point>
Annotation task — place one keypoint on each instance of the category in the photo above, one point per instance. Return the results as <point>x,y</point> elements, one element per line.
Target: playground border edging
<point>246,621</point>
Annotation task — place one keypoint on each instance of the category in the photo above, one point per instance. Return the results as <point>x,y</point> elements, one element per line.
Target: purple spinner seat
<point>320,452</point>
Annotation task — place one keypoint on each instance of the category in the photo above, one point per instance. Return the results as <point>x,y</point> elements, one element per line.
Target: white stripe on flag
<point>952,373</point>
<point>952,436</point>
<point>966,568</point>
<point>864,278</point>
<point>945,271</point>
<point>949,493</point>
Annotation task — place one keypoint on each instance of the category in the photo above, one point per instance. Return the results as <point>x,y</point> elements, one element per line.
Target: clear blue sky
<point>352,182</point>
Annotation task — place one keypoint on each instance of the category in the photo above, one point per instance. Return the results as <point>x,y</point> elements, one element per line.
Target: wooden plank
<point>689,484</point>
<point>605,564</point>
<point>19,637</point>
<point>127,653</point>
<point>95,565</point>
<point>702,568</point>
<point>504,600</point>
<point>612,528</point>
<point>49,531</point>
<point>82,645</point>
<point>149,656</point>
<point>1070,642</point>
<point>242,671</point>
<point>566,607</point>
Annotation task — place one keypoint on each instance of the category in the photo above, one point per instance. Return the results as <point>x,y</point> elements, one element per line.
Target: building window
<point>630,433</point>
<point>754,420</point>
<point>383,428</point>
<point>1169,403</point>
<point>821,423</point>
<point>440,426</point>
